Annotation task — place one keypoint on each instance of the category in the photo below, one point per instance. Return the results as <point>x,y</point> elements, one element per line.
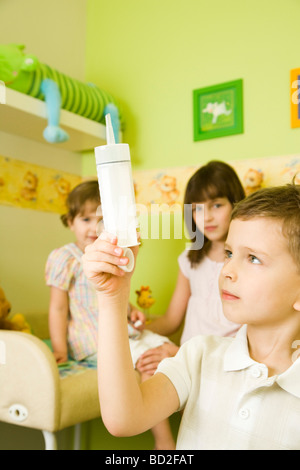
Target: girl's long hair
<point>214,180</point>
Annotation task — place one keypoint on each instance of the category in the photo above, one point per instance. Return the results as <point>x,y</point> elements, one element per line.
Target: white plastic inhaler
<point>117,193</point>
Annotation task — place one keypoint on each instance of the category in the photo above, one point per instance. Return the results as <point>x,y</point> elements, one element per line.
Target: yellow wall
<point>52,32</point>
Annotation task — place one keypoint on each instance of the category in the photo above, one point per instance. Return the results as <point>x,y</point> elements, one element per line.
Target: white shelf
<point>26,116</point>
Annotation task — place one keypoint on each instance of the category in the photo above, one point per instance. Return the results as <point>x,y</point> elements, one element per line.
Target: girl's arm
<point>166,325</point>
<point>172,319</point>
<point>136,315</point>
<point>58,323</point>
<point>126,407</point>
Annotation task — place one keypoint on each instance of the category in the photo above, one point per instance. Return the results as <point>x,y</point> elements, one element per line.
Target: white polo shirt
<point>229,401</point>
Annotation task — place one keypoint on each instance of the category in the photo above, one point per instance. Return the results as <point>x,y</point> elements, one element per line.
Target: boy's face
<point>85,224</point>
<point>260,282</point>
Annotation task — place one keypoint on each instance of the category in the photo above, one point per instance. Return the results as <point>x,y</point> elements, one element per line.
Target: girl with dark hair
<point>209,199</point>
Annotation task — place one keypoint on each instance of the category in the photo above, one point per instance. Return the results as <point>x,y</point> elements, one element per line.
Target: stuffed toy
<point>168,189</point>
<point>17,322</point>
<point>253,180</point>
<point>144,297</point>
<point>24,73</point>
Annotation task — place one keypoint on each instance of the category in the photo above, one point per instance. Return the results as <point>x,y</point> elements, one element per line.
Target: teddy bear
<point>17,322</point>
<point>168,189</point>
<point>63,188</point>
<point>29,188</point>
<point>252,181</point>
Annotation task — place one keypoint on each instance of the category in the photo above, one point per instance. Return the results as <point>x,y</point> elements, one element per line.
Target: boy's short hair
<point>86,191</point>
<point>281,203</point>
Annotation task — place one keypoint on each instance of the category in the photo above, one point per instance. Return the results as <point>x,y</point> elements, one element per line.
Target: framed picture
<point>294,95</point>
<point>218,110</point>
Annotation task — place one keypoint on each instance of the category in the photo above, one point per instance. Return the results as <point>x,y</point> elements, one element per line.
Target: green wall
<point>153,54</point>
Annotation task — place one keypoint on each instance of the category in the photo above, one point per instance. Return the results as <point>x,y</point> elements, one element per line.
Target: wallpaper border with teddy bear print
<point>32,186</point>
<point>167,187</point>
<point>35,187</point>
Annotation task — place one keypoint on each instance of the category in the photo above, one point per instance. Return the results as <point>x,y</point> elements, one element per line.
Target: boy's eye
<point>228,254</point>
<point>85,219</point>
<point>254,260</point>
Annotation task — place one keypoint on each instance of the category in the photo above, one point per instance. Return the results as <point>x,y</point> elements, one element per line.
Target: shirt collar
<point>237,358</point>
<point>289,380</point>
<point>237,355</point>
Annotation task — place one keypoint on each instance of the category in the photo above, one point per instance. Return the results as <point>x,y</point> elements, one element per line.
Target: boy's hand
<point>101,263</point>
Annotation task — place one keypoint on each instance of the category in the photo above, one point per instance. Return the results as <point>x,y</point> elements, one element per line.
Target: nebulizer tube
<point>117,193</point>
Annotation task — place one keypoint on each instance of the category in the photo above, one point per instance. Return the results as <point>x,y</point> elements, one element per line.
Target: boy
<point>241,393</point>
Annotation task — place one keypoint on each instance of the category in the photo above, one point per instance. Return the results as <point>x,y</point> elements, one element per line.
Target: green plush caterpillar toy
<point>24,73</point>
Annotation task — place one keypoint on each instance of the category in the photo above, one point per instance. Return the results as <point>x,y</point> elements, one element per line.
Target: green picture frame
<point>218,110</point>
